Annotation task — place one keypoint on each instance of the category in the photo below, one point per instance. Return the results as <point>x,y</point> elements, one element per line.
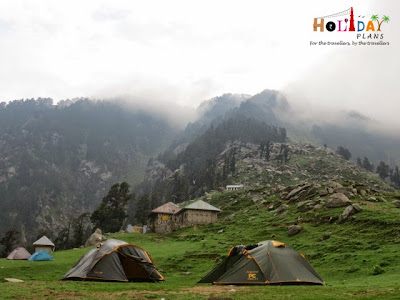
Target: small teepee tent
<point>268,262</point>
<point>44,244</point>
<point>115,260</point>
<point>40,255</point>
<point>19,253</point>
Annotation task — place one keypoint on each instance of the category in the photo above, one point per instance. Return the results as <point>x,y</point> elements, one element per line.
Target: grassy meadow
<point>360,260</point>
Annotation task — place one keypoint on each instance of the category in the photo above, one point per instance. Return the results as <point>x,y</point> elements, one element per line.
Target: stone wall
<point>197,217</point>
<point>166,223</point>
<point>163,223</point>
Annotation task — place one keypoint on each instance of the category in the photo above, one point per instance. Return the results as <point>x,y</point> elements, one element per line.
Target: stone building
<point>234,187</point>
<point>168,217</point>
<point>197,213</point>
<point>162,218</point>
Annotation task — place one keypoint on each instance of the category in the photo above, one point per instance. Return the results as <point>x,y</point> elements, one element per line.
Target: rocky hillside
<point>304,163</point>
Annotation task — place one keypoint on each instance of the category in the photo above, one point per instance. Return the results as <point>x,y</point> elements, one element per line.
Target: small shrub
<point>352,270</point>
<point>384,264</point>
<point>378,270</point>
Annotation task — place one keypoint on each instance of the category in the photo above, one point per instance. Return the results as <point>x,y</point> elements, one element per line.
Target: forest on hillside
<point>64,157</point>
<point>196,169</point>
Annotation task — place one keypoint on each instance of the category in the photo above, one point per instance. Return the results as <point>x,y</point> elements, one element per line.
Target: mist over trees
<point>64,157</point>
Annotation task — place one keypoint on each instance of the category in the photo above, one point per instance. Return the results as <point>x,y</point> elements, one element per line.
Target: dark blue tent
<point>40,255</point>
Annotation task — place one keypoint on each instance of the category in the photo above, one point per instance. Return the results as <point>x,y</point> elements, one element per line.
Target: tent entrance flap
<point>245,271</point>
<point>108,268</point>
<point>134,270</point>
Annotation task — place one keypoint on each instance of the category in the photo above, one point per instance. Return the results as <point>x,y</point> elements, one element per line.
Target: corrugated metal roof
<point>167,208</point>
<point>201,205</point>
<point>43,241</point>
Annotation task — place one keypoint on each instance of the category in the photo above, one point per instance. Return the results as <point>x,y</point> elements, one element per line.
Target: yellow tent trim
<point>278,244</point>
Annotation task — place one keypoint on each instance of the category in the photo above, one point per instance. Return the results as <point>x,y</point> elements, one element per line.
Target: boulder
<point>323,192</point>
<point>281,209</point>
<point>230,217</point>
<point>312,192</point>
<point>297,190</point>
<point>318,206</point>
<point>185,273</point>
<point>396,203</point>
<point>349,211</point>
<point>284,195</point>
<point>372,199</point>
<point>12,280</point>
<point>338,200</point>
<point>357,207</point>
<point>326,236</point>
<point>363,192</point>
<point>294,229</point>
<point>96,238</point>
<point>257,198</point>
<point>334,185</point>
<point>305,205</point>
<point>300,196</point>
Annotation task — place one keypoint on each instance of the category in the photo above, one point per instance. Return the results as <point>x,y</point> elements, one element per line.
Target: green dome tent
<point>115,260</point>
<point>268,262</point>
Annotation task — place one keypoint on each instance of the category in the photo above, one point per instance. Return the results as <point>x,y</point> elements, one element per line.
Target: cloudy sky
<point>189,51</point>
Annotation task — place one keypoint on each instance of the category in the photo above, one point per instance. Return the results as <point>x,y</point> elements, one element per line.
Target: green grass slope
<point>360,260</point>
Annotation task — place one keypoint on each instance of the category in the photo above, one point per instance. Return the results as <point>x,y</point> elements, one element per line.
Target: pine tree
<point>383,170</point>
<point>143,208</point>
<point>367,165</point>
<point>110,215</point>
<point>8,240</point>
<point>78,227</point>
<point>344,152</point>
<point>395,176</point>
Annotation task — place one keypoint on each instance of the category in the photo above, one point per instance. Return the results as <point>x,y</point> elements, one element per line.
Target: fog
<point>169,57</point>
<point>362,80</point>
<point>357,78</point>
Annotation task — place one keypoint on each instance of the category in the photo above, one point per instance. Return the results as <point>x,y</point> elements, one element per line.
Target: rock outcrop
<point>294,229</point>
<point>337,200</point>
<point>96,238</point>
<point>349,211</point>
